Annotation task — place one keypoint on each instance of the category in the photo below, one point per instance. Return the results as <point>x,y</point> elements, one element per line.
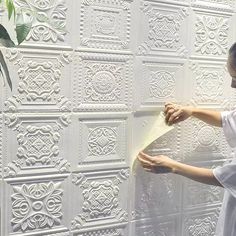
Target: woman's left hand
<point>156,164</point>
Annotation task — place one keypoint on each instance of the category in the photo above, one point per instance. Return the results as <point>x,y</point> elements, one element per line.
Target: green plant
<point>22,19</point>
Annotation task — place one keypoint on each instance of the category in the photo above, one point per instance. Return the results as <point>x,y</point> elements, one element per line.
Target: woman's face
<point>232,71</point>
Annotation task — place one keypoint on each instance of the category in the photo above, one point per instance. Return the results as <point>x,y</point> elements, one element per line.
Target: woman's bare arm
<point>176,113</point>
<point>163,164</point>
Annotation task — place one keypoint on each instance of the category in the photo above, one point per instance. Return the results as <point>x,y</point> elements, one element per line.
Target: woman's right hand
<point>176,113</point>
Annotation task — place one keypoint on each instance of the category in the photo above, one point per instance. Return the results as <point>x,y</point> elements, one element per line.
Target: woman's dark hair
<point>232,54</point>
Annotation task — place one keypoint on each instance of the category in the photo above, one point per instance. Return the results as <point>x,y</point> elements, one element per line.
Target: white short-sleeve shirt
<point>226,175</point>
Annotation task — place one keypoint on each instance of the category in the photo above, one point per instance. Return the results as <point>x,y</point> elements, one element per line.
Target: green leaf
<point>23,26</point>
<point>5,69</point>
<point>5,39</point>
<point>10,8</point>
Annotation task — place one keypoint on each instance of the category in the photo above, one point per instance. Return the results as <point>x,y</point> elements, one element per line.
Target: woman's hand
<point>156,164</point>
<point>163,164</point>
<point>176,113</point>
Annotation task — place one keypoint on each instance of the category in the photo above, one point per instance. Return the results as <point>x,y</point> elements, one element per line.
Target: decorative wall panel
<point>102,82</point>
<point>162,31</point>
<point>41,77</point>
<point>158,226</point>
<point>42,34</point>
<point>149,202</point>
<point>38,139</point>
<point>198,223</point>
<point>211,33</point>
<point>103,142</point>
<point>104,200</point>
<point>156,81</point>
<point>209,84</point>
<point>82,99</point>
<point>105,24</point>
<point>36,205</point>
<point>206,143</point>
<point>197,195</point>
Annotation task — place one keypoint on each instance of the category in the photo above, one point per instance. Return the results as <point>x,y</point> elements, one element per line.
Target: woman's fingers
<point>168,105</point>
<point>169,111</point>
<point>148,163</point>
<point>174,116</point>
<point>144,161</point>
<point>178,119</point>
<point>147,169</point>
<point>168,108</point>
<point>173,113</point>
<point>155,169</point>
<point>146,157</point>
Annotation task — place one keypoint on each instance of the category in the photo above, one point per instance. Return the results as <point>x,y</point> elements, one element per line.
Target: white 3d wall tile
<point>80,100</point>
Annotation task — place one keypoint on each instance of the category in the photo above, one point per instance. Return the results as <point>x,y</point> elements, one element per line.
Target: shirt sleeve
<point>226,175</point>
<point>229,126</point>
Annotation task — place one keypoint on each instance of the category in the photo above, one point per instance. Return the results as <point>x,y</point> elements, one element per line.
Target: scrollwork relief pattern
<point>203,226</point>
<point>38,145</point>
<point>211,35</point>
<point>162,84</point>
<point>101,199</point>
<point>55,11</point>
<point>36,206</point>
<point>201,195</point>
<point>39,82</point>
<point>103,82</point>
<point>110,27</point>
<point>205,137</point>
<point>102,141</point>
<point>164,30</point>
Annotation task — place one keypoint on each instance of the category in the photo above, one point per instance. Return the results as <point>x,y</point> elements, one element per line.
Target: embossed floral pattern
<point>209,85</point>
<point>202,194</point>
<point>164,30</point>
<point>36,206</point>
<point>105,23</point>
<point>110,27</point>
<point>102,141</point>
<point>205,138</point>
<point>55,11</point>
<point>162,84</point>
<point>38,144</point>
<point>211,35</point>
<point>39,81</point>
<point>103,82</point>
<point>204,226</point>
<point>100,199</point>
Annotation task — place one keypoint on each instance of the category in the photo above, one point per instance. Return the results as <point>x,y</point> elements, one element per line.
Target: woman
<point>224,176</point>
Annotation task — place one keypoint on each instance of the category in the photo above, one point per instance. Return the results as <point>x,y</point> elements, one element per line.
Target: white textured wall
<point>80,100</point>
